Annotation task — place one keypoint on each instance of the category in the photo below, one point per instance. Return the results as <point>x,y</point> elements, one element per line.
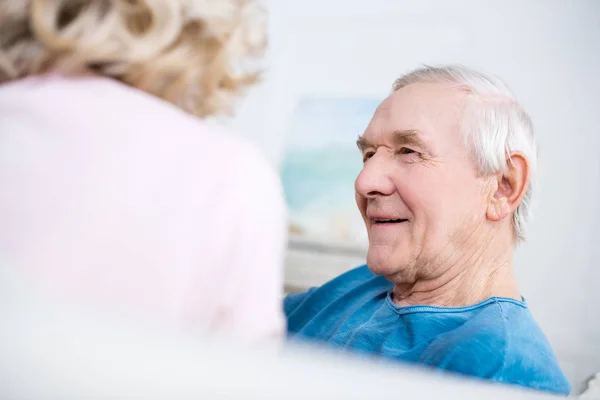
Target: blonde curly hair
<point>196,54</point>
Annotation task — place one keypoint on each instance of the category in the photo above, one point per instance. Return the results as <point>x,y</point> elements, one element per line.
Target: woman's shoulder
<point>92,106</point>
<point>121,128</point>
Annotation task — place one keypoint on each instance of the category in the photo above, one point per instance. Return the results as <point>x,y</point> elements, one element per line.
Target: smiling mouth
<point>379,221</point>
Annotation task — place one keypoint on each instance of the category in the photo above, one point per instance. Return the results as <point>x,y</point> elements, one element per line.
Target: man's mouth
<point>381,221</point>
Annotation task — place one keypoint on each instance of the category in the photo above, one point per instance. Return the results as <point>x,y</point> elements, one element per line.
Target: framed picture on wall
<point>321,162</point>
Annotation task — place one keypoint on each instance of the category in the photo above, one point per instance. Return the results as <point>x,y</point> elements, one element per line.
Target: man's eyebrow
<point>409,137</point>
<point>363,143</point>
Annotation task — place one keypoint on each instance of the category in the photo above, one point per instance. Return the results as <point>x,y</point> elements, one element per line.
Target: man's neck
<point>469,278</point>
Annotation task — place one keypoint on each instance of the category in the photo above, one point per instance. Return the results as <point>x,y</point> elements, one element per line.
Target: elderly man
<point>445,193</point>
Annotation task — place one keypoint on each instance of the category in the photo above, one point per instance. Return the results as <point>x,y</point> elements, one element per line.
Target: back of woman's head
<point>192,53</point>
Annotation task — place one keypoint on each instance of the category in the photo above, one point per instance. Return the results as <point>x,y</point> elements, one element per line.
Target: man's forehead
<point>423,98</point>
<point>426,109</point>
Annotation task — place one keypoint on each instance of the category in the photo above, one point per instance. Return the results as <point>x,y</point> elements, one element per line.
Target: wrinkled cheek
<point>435,240</point>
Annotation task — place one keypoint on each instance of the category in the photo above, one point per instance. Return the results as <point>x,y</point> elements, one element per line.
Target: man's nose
<point>375,177</point>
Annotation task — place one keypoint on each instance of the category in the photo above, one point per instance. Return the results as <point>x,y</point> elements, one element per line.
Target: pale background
<point>547,51</point>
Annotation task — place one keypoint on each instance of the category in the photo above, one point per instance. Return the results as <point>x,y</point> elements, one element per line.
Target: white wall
<point>548,52</point>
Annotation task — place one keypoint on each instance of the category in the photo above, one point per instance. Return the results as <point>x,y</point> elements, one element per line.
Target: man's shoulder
<point>503,343</point>
<point>345,281</point>
<point>529,359</point>
<point>359,281</point>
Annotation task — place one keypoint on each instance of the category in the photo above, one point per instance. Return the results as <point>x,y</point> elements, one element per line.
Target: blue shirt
<point>497,339</point>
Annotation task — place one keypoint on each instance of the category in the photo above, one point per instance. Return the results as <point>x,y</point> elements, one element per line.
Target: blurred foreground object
<point>50,351</point>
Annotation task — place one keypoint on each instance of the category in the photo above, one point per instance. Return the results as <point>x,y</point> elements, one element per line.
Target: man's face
<point>419,192</point>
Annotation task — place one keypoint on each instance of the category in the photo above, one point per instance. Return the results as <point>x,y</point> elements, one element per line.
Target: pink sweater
<point>113,197</point>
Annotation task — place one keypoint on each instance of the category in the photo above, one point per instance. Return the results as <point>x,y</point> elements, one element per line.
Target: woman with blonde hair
<point>114,190</point>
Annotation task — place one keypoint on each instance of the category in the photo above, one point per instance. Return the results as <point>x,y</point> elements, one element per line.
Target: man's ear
<point>510,187</point>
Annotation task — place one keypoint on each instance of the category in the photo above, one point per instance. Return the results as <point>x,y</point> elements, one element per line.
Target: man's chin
<point>383,264</point>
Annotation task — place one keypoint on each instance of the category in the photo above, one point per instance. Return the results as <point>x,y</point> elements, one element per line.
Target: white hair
<point>494,125</point>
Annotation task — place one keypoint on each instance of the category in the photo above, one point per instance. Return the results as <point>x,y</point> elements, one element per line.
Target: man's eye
<point>406,150</point>
<point>368,155</point>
